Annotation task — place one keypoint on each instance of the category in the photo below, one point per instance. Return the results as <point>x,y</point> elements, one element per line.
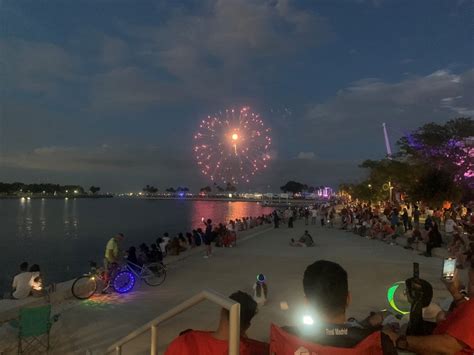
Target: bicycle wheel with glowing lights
<point>84,287</point>
<point>123,282</point>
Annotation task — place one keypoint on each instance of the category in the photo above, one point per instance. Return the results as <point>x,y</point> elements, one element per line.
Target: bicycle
<point>122,280</point>
<point>86,285</point>
<point>153,274</point>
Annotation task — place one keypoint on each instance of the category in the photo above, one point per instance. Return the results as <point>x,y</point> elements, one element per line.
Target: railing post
<point>118,350</point>
<point>154,340</point>
<point>234,329</point>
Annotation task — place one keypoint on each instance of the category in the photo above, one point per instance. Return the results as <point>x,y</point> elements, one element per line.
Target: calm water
<point>63,235</point>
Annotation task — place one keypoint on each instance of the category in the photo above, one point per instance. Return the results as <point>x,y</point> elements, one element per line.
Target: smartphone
<point>449,267</point>
<point>202,219</point>
<point>416,270</point>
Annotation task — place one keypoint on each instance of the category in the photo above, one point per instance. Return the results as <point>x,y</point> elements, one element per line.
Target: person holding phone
<point>454,334</point>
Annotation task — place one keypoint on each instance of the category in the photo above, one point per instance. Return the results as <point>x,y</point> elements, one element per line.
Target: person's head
<point>306,232</point>
<point>180,235</point>
<point>248,309</point>
<point>35,268</point>
<point>24,266</point>
<point>119,237</point>
<point>199,230</point>
<point>143,247</point>
<point>166,235</point>
<point>154,246</point>
<point>132,251</point>
<point>326,288</point>
<point>209,221</point>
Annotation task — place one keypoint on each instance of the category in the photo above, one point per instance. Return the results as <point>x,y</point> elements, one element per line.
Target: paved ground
<point>372,266</point>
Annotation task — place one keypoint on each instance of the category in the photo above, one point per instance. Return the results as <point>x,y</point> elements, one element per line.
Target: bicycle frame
<point>132,267</point>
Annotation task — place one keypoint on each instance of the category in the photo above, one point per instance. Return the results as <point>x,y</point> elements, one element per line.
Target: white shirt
<point>449,225</point>
<point>22,283</point>
<point>259,299</point>
<point>314,213</point>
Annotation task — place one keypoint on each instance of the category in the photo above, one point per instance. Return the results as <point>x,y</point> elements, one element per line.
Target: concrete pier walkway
<point>373,266</point>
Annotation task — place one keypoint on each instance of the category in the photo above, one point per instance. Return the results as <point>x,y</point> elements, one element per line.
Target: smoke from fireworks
<point>232,146</point>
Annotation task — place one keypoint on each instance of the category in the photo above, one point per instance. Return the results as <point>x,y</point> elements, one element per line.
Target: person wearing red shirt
<point>454,334</point>
<point>194,342</point>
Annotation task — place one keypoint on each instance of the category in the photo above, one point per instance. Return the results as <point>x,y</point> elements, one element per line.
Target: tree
<point>150,189</point>
<point>447,146</point>
<point>182,189</point>
<point>206,189</point>
<point>171,190</point>
<point>436,186</point>
<point>230,188</point>
<point>94,189</point>
<point>293,187</point>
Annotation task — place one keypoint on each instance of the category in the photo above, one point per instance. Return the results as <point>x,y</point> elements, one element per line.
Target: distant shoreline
<point>49,197</point>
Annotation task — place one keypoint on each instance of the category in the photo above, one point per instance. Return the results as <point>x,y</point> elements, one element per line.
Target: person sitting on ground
<point>163,243</point>
<point>414,238</point>
<point>194,342</point>
<point>387,231</point>
<point>197,238</point>
<point>156,255</point>
<point>305,241</point>
<point>21,286</point>
<point>132,255</point>
<point>453,333</point>
<point>173,247</point>
<point>143,254</point>
<point>434,239</point>
<point>326,289</point>
<point>36,281</point>
<point>183,243</point>
<point>398,232</point>
<point>190,240</point>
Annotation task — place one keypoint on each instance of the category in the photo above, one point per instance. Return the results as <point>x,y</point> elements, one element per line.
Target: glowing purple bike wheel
<point>124,282</point>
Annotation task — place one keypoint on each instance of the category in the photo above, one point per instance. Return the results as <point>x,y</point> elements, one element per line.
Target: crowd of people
<point>28,282</point>
<point>452,227</point>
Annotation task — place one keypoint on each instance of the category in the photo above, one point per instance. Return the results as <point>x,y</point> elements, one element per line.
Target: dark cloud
<point>358,111</point>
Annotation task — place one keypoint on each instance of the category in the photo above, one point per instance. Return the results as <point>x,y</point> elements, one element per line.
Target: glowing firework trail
<point>232,146</point>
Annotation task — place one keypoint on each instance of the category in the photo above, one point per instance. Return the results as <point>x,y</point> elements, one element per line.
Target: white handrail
<point>209,295</point>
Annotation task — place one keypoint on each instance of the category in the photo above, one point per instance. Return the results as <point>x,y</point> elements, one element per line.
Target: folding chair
<point>34,326</point>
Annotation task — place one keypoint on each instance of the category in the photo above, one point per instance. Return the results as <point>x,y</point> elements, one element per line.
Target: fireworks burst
<point>232,146</point>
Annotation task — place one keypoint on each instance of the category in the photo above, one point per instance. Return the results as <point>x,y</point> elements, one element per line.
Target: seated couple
<point>27,283</point>
<point>305,241</point>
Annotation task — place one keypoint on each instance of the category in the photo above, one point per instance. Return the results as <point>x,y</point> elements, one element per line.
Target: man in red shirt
<point>454,334</point>
<point>195,342</point>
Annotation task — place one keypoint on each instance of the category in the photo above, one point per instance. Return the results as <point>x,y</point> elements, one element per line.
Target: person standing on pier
<point>208,237</point>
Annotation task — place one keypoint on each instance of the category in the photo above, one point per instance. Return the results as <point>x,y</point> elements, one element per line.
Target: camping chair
<point>34,325</point>
<point>283,343</point>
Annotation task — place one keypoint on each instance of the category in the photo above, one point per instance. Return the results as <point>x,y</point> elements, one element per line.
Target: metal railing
<point>206,295</point>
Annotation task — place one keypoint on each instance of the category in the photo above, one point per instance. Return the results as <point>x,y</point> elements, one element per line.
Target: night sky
<point>111,93</point>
